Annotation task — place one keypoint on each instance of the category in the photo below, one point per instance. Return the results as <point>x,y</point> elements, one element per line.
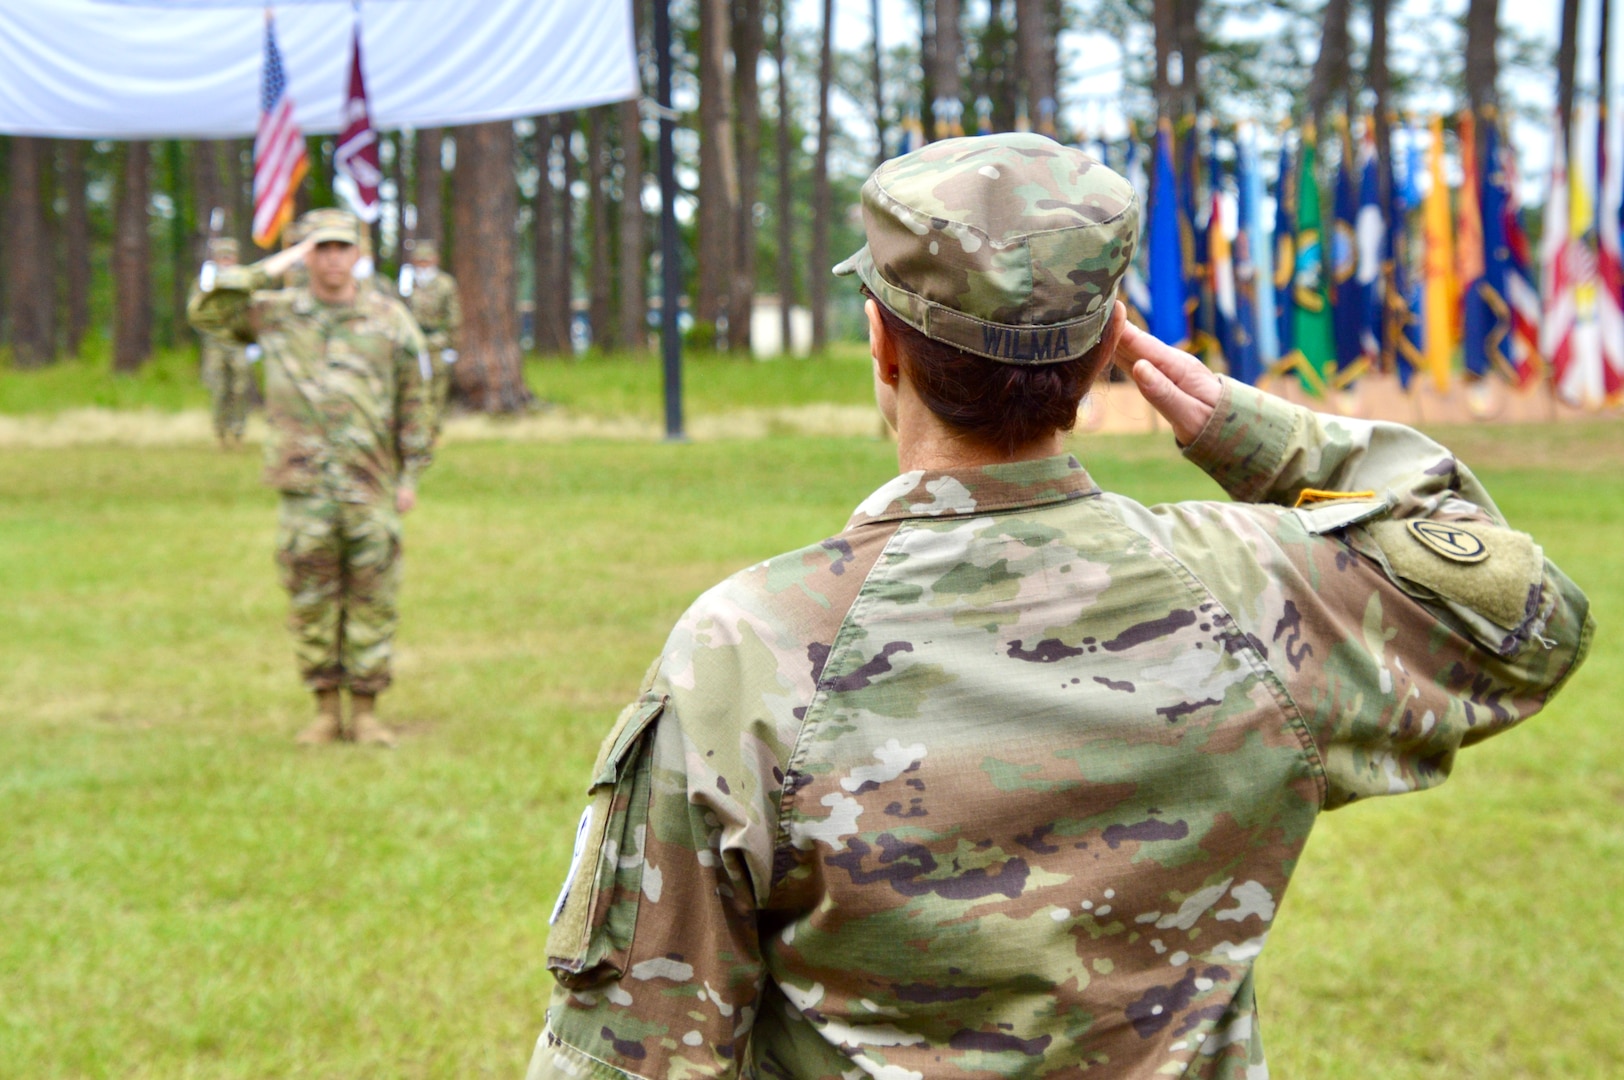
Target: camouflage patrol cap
<point>1008,246</point>
<point>223,247</point>
<point>425,249</point>
<point>330,224</point>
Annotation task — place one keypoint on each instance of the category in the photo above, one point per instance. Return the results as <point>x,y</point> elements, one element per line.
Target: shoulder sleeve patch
<point>1485,568</point>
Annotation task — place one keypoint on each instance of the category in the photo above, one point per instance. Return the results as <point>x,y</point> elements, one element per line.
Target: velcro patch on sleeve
<point>1485,568</point>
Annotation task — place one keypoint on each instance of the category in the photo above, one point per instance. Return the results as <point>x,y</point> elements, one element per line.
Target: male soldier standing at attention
<point>347,400</point>
<point>226,360</point>
<point>431,296</point>
<point>1008,778</point>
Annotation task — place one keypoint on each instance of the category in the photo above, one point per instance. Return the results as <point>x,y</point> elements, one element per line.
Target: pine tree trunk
<point>544,246</point>
<point>600,305</point>
<point>550,333</point>
<point>818,285</point>
<point>1376,77</point>
<point>1332,75</point>
<point>564,300</point>
<point>32,288</point>
<point>633,284</point>
<point>1191,49</point>
<point>786,191</point>
<point>747,43</point>
<point>947,55</point>
<point>1034,51</point>
<point>239,216</point>
<point>1164,17</point>
<point>132,262</point>
<point>1567,56</point>
<point>489,375</point>
<point>5,233</point>
<point>1482,62</point>
<point>208,195</point>
<point>76,244</point>
<point>430,180</point>
<point>996,69</point>
<point>718,177</point>
<point>180,242</point>
<point>878,76</point>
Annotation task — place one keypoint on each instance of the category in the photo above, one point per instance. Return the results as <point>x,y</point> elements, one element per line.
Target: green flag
<point>1315,357</point>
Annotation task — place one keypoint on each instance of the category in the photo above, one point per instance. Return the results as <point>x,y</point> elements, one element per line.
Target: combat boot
<point>328,725</point>
<point>364,725</point>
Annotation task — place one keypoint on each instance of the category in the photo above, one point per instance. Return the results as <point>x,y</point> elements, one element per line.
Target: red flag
<point>280,162</point>
<point>357,153</point>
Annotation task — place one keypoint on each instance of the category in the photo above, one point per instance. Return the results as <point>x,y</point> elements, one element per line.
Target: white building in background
<point>766,339</point>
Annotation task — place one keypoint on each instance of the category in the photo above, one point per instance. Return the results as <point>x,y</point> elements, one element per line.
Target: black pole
<point>670,261</point>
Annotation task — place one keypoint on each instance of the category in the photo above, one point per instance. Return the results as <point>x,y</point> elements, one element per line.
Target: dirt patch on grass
<point>1584,446</point>
<point>149,427</point>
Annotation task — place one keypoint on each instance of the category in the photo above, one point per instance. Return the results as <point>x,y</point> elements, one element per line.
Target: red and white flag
<point>1610,262</point>
<point>280,162</point>
<point>1521,293</point>
<point>357,154</point>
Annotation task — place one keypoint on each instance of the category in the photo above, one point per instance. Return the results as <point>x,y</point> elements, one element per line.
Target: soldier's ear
<point>882,346</point>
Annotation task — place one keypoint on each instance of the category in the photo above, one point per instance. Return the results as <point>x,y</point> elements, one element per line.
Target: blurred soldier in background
<point>431,296</point>
<point>347,399</point>
<point>226,361</point>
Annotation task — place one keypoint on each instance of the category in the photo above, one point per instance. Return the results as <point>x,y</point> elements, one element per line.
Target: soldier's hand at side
<point>405,499</point>
<point>1176,384</point>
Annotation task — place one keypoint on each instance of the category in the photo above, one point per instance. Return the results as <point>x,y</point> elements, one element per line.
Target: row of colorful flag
<point>1394,279</point>
<point>1439,282</point>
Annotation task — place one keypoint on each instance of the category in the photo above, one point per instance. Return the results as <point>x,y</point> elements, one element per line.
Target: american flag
<point>280,163</point>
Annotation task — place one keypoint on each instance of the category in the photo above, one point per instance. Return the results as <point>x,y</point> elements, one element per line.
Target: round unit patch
<point>1449,541</point>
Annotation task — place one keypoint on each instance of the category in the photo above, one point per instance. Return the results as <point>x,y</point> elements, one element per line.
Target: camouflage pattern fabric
<point>1008,246</point>
<point>346,387</point>
<point>340,564</point>
<point>438,310</point>
<point>1009,778</point>
<point>229,378</point>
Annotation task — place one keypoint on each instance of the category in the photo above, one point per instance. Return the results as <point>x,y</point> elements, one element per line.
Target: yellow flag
<point>1439,289</point>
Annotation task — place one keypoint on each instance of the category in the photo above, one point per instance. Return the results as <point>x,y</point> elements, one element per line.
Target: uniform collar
<point>966,492</point>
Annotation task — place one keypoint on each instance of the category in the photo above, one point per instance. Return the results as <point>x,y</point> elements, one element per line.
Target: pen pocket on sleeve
<point>595,915</point>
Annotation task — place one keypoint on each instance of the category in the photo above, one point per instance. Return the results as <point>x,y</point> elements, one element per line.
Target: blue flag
<point>1134,282</point>
<point>1285,257</point>
<point>1401,326</point>
<point>1197,296</point>
<point>1262,252</point>
<point>1487,311</point>
<point>1245,364</point>
<point>1168,320</point>
<point>1347,312</point>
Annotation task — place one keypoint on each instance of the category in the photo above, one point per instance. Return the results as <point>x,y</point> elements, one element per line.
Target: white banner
<point>124,69</point>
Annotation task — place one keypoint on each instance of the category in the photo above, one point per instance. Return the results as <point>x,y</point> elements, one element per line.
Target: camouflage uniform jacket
<point>1009,777</point>
<point>437,309</point>
<point>346,388</point>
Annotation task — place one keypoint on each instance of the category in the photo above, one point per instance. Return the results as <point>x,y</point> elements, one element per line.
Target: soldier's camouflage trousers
<point>340,563</point>
<point>229,379</point>
<point>440,390</point>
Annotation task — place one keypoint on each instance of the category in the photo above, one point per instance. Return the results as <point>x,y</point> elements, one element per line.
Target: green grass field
<point>185,893</point>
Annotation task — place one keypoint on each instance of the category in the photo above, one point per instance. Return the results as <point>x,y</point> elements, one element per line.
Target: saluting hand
<point>1176,384</point>
<point>405,499</point>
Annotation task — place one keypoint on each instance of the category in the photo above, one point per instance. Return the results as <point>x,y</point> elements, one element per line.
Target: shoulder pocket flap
<point>629,727</point>
<point>1326,517</point>
<point>1497,574</point>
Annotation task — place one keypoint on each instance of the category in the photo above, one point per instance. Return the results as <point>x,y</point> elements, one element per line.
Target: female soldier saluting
<point>1009,777</point>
